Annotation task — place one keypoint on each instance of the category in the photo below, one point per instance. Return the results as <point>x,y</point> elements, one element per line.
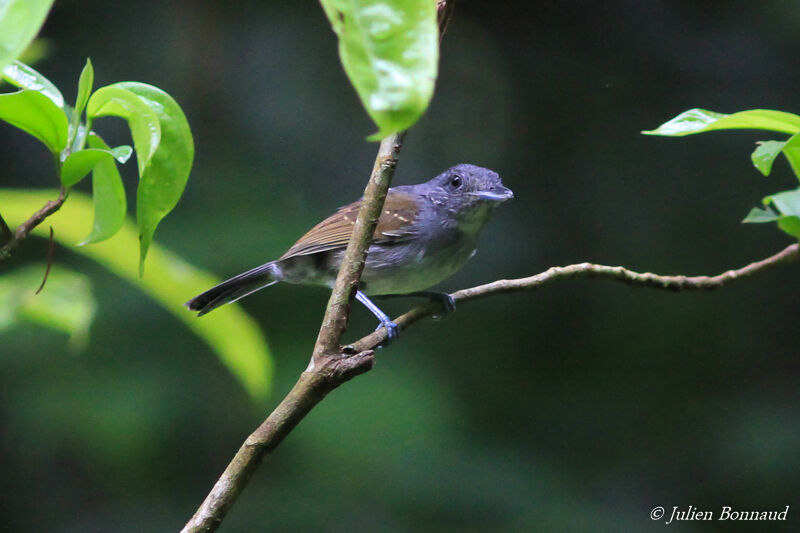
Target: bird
<point>425,234</point>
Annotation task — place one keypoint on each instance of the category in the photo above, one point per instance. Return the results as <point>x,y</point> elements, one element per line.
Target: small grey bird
<point>425,235</point>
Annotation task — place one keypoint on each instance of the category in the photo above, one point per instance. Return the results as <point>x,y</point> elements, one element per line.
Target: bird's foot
<point>392,332</point>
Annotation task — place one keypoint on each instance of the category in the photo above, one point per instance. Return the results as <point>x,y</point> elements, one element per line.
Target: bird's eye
<point>455,182</point>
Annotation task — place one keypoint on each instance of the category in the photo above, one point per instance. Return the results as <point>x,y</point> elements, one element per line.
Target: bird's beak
<point>500,194</point>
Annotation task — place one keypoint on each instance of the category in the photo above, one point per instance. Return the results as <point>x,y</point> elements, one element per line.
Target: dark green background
<point>576,408</point>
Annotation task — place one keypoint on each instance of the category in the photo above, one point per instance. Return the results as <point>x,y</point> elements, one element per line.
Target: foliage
<point>169,280</point>
<point>67,305</point>
<point>161,137</point>
<point>20,21</point>
<point>390,52</point>
<point>783,207</point>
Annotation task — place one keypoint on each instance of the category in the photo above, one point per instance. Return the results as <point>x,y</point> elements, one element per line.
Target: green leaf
<point>164,177</point>
<point>35,113</point>
<point>791,225</point>
<point>786,202</point>
<point>164,148</point>
<point>85,84</point>
<point>20,21</point>
<point>108,196</point>
<point>764,155</point>
<point>143,122</point>
<point>78,164</point>
<point>233,335</point>
<point>759,216</point>
<point>792,152</point>
<point>21,75</point>
<point>701,120</point>
<point>65,304</point>
<point>390,52</point>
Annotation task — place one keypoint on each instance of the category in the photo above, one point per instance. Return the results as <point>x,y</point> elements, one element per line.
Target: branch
<point>314,385</point>
<point>337,313</point>
<point>329,366</point>
<point>26,227</point>
<point>583,270</point>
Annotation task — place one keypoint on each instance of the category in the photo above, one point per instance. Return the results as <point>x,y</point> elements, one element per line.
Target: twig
<point>26,227</point>
<point>329,366</point>
<point>584,270</point>
<point>51,248</point>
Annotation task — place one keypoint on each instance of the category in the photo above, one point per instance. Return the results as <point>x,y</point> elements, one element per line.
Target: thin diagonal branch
<point>26,227</point>
<point>584,270</point>
<point>338,311</point>
<point>331,364</point>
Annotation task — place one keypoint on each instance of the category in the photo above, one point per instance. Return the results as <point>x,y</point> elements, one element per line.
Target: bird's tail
<point>231,290</point>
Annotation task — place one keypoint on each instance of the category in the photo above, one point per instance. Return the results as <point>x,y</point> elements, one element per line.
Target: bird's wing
<point>395,224</point>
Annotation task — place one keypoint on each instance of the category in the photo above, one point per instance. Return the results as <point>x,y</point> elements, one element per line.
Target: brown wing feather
<point>399,213</point>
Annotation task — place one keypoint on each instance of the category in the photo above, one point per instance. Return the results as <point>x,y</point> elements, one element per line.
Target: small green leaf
<point>164,177</point>
<point>113,100</point>
<point>758,216</point>
<point>791,225</point>
<point>21,75</point>
<point>792,152</point>
<point>701,120</point>
<point>35,113</point>
<point>78,165</point>
<point>390,52</point>
<point>85,84</point>
<point>65,304</point>
<point>108,196</point>
<point>20,21</point>
<point>764,155</point>
<point>122,153</point>
<point>786,202</point>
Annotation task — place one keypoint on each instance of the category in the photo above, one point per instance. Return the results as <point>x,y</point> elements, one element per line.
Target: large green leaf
<point>390,52</point>
<point>701,120</point>
<point>164,148</point>
<point>164,178</point>
<point>65,304</point>
<point>20,21</point>
<point>35,113</point>
<point>143,122</point>
<point>169,280</point>
<point>21,75</point>
<point>108,196</point>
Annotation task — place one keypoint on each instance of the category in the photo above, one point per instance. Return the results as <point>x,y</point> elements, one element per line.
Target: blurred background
<point>576,408</point>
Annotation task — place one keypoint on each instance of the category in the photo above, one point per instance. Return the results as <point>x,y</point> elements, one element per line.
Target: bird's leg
<point>442,298</point>
<point>392,331</point>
